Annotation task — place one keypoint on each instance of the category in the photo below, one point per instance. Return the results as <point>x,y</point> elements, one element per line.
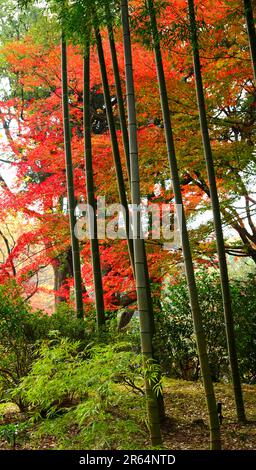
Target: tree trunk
<point>215,442</point>
<point>229,322</point>
<point>63,270</point>
<point>248,11</point>
<point>97,276</point>
<point>70,183</point>
<point>139,249</point>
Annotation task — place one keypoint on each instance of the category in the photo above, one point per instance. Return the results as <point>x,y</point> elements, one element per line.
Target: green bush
<point>244,305</point>
<point>16,352</point>
<point>21,329</point>
<point>63,320</point>
<point>80,399</point>
<point>175,338</point>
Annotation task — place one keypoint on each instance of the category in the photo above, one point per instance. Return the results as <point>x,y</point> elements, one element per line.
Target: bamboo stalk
<point>139,249</point>
<point>228,314</point>
<point>97,276</point>
<point>70,183</point>
<point>215,442</point>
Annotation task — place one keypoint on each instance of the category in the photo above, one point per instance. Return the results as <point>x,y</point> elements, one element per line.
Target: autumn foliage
<point>33,139</point>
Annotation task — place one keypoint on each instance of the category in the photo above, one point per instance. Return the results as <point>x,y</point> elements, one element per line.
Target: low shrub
<point>21,328</point>
<point>175,338</point>
<point>82,399</point>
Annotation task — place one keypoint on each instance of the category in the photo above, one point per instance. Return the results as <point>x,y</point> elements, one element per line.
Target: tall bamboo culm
<point>119,93</point>
<point>248,11</point>
<point>114,142</point>
<point>97,276</point>
<point>215,442</point>
<point>70,183</point>
<point>125,138</point>
<point>228,314</point>
<point>139,249</point>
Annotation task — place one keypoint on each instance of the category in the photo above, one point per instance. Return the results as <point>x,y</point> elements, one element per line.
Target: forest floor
<point>186,427</point>
<point>186,424</point>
